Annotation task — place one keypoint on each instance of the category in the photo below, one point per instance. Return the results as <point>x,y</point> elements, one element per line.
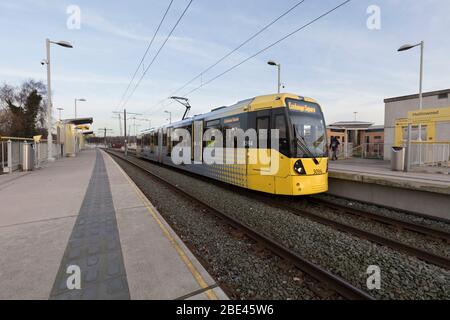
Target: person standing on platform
<point>334,146</point>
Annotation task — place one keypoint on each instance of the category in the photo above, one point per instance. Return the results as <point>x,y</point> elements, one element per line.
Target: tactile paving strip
<point>94,246</point>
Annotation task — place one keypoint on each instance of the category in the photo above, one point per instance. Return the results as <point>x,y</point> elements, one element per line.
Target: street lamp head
<point>406,47</point>
<point>83,100</point>
<point>64,44</point>
<point>272,63</point>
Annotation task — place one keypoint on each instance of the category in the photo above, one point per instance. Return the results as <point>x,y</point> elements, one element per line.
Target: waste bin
<point>27,156</point>
<point>397,158</point>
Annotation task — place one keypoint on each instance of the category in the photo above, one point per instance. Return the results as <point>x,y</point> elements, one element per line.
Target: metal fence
<point>430,154</point>
<point>11,153</point>
<point>364,151</point>
<point>368,151</point>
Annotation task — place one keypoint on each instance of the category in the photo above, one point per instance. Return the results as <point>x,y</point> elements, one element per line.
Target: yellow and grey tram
<point>301,154</point>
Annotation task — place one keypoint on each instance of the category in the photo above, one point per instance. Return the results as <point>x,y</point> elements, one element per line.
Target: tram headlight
<point>298,167</point>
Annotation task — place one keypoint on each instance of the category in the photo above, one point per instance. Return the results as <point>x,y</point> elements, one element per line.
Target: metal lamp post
<point>170,116</point>
<point>273,63</point>
<point>76,99</point>
<point>407,47</point>
<point>59,110</point>
<point>408,153</point>
<point>49,94</point>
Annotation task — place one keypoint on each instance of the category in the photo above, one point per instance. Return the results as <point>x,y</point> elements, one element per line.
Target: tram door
<point>197,142</point>
<point>160,145</point>
<point>259,169</point>
<point>152,142</point>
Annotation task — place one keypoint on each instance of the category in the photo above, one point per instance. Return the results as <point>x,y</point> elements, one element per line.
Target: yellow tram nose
<point>305,176</point>
<point>311,185</point>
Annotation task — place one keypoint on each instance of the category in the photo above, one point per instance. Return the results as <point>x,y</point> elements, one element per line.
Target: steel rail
<point>432,232</point>
<point>413,251</point>
<point>333,281</point>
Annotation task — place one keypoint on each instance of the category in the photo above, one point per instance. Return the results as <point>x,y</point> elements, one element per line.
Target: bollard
<point>27,156</point>
<point>3,156</point>
<point>10,164</point>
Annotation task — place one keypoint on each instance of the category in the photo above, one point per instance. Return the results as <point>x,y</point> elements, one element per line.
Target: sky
<point>339,61</point>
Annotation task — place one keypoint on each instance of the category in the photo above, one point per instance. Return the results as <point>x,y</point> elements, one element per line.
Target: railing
<point>11,152</point>
<point>344,151</point>
<point>430,154</point>
<point>364,151</point>
<point>372,150</point>
<point>424,154</point>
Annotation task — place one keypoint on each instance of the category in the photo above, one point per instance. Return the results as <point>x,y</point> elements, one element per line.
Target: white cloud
<point>100,23</point>
<point>92,78</point>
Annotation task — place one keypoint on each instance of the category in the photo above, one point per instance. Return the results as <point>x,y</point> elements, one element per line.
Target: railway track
<point>421,254</point>
<point>334,282</point>
<point>396,245</point>
<point>401,224</point>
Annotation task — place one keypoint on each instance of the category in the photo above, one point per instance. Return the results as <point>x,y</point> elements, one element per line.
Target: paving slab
<point>158,264</point>
<point>37,213</point>
<point>378,172</point>
<point>373,182</point>
<point>86,212</point>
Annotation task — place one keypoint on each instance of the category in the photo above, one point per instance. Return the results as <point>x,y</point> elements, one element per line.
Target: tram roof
<point>251,104</point>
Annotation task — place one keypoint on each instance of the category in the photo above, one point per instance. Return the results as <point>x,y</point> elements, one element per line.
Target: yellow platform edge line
<point>197,276</point>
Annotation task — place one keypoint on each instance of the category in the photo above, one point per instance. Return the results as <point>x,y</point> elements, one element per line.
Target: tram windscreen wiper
<point>301,143</point>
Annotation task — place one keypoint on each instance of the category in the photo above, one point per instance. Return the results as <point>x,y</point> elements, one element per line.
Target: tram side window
<point>213,124</point>
<point>229,128</point>
<point>164,139</point>
<point>280,124</point>
<point>262,123</point>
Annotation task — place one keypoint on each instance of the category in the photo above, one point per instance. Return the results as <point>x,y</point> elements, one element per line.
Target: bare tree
<point>22,109</point>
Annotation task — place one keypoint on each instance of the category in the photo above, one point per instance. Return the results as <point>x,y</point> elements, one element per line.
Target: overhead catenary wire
<point>158,52</point>
<point>267,47</point>
<point>232,51</point>
<point>146,52</point>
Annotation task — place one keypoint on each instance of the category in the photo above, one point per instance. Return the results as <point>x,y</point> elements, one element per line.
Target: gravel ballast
<point>405,216</point>
<point>413,239</point>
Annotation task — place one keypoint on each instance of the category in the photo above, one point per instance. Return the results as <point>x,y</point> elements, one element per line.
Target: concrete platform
<point>86,212</point>
<point>372,181</point>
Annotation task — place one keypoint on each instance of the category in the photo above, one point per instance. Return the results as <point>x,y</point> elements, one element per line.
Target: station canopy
<point>78,121</point>
<point>351,125</point>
